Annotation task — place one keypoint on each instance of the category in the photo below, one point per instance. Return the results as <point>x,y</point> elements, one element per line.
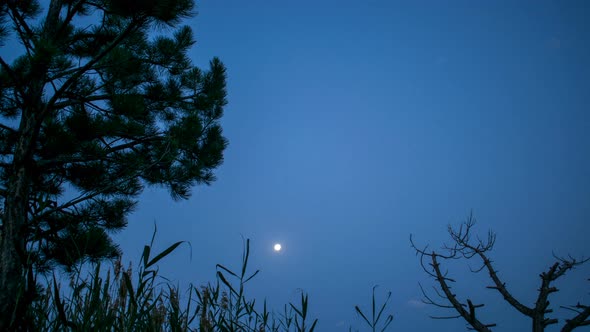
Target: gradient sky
<point>353,124</point>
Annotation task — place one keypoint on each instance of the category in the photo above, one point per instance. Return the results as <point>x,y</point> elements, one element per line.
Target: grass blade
<point>358,311</point>
<point>163,254</point>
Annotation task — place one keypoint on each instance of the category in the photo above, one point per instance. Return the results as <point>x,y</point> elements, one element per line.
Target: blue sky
<point>355,124</point>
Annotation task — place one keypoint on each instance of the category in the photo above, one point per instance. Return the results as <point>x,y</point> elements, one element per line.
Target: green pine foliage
<point>92,113</point>
<point>115,108</point>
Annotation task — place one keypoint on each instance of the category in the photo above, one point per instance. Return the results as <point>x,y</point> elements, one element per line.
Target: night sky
<point>355,124</point>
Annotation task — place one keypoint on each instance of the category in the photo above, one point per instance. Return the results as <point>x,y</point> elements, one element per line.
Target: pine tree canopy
<point>103,102</point>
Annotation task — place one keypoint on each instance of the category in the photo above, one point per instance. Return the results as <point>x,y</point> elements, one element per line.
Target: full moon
<point>278,247</point>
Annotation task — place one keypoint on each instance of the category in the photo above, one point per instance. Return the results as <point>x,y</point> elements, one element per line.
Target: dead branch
<point>469,314</point>
<point>464,246</point>
<point>583,313</point>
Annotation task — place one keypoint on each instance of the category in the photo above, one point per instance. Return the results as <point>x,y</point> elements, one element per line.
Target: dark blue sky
<point>355,124</point>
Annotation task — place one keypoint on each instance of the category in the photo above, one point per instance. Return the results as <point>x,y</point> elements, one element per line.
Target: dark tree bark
<point>465,247</point>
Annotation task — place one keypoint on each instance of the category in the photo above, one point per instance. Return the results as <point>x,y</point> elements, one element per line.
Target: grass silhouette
<point>118,299</point>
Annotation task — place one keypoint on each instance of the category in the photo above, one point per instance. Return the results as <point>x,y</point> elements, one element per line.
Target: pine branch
<point>76,100</point>
<point>120,38</point>
<point>17,83</point>
<point>20,24</point>
<point>70,160</point>
<point>7,128</point>
<point>72,11</point>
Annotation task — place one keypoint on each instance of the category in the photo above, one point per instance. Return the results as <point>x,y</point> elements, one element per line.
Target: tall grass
<point>376,323</point>
<point>120,299</point>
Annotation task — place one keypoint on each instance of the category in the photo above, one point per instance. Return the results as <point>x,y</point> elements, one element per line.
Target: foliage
<point>98,106</point>
<point>120,300</point>
<point>116,301</point>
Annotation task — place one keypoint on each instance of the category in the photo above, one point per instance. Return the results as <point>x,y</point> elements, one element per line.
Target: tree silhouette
<point>96,108</point>
<point>464,246</point>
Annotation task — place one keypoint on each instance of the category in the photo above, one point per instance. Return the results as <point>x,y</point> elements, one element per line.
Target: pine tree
<point>91,114</point>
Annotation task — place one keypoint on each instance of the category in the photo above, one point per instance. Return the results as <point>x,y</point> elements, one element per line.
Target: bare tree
<point>465,247</point>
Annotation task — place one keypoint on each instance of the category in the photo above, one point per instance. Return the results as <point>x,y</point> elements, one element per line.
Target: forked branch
<point>465,310</point>
<point>463,246</point>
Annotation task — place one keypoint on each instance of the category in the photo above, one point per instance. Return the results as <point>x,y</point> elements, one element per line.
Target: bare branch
<point>464,246</point>
<point>430,301</point>
<point>469,315</point>
<point>462,239</point>
<point>581,319</point>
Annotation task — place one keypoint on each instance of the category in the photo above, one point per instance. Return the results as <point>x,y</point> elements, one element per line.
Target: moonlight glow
<point>277,247</point>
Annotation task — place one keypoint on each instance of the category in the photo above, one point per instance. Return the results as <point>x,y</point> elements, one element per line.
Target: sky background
<point>355,124</point>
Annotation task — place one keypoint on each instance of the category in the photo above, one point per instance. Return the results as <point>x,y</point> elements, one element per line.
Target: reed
<point>120,299</point>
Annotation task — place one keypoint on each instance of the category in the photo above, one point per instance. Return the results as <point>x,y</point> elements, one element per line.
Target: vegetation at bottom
<point>116,298</point>
<point>101,101</point>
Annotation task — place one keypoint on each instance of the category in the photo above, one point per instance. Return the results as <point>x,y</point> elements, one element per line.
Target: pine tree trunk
<point>12,236</point>
<point>13,304</point>
<point>11,249</point>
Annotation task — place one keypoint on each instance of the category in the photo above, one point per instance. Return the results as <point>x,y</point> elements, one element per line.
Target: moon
<point>277,247</point>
